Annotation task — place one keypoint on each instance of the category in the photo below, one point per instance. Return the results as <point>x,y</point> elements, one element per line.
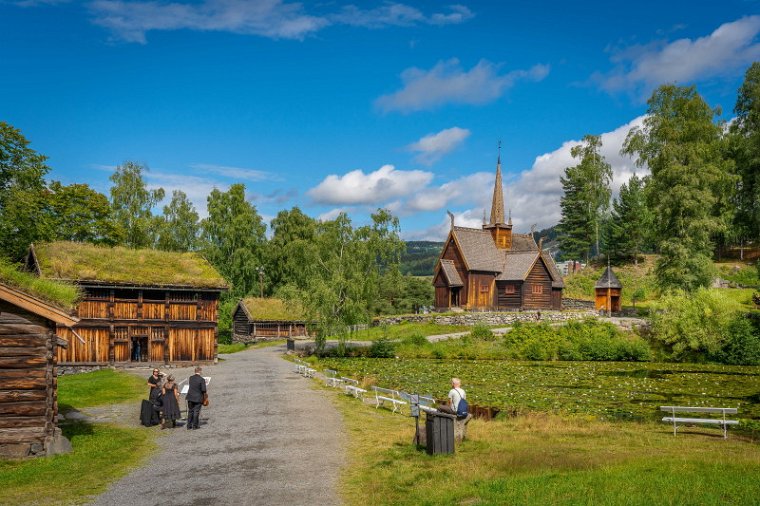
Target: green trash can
<point>439,432</point>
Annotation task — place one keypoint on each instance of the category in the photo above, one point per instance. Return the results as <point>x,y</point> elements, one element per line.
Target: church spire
<point>497,206</point>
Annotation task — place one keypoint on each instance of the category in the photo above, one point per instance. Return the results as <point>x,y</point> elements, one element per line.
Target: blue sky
<point>336,106</point>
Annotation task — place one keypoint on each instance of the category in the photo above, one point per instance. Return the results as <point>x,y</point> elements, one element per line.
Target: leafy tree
<point>292,232</point>
<point>22,172</point>
<point>233,238</point>
<point>340,279</point>
<point>133,204</point>
<point>586,197</point>
<point>744,148</point>
<point>681,146</point>
<point>693,326</point>
<point>180,227</point>
<point>630,221</point>
<point>78,213</point>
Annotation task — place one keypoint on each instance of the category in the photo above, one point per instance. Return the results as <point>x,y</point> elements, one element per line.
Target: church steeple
<point>500,229</point>
<point>497,205</point>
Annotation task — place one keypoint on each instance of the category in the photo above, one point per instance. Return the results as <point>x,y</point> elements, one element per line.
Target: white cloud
<point>132,20</point>
<point>331,214</point>
<point>729,48</point>
<point>356,187</point>
<point>235,172</point>
<point>447,82</point>
<point>394,14</point>
<point>433,146</point>
<point>533,195</point>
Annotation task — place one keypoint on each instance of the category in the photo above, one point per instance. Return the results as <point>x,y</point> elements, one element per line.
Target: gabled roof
<point>608,280</point>
<point>517,266</point>
<point>523,242</point>
<point>34,305</point>
<point>478,249</point>
<point>84,262</point>
<point>264,309</point>
<point>451,273</point>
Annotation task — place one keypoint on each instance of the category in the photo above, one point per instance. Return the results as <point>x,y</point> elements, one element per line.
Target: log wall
<point>28,384</point>
<point>171,326</point>
<point>537,289</point>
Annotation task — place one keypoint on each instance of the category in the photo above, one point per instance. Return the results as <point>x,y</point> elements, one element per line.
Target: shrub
<point>382,348</point>
<point>416,339</point>
<point>742,343</point>
<point>693,326</point>
<point>483,333</point>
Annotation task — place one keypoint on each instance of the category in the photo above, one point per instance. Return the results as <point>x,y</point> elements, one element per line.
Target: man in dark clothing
<point>195,391</point>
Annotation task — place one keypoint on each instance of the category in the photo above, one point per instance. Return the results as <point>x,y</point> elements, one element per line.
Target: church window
<point>537,289</point>
<point>509,289</point>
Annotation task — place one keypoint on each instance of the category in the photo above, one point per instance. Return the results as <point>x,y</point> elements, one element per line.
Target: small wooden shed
<point>28,376</point>
<point>260,319</point>
<point>608,292</point>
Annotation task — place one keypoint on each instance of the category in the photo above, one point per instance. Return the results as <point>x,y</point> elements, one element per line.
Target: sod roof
<point>84,262</point>
<point>59,294</point>
<point>272,310</point>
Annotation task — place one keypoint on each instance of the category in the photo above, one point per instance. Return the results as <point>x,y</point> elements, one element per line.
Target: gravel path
<point>267,438</point>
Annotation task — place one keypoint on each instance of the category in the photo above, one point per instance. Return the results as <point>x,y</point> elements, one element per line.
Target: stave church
<point>493,269</point>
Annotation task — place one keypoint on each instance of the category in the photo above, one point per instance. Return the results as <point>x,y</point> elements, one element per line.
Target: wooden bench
<point>721,422</point>
<point>383,395</point>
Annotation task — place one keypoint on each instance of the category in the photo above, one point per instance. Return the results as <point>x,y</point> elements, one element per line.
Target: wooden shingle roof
<point>478,249</point>
<point>608,280</point>
<point>451,273</point>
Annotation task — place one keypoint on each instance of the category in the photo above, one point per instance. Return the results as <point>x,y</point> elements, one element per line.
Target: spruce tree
<point>630,221</point>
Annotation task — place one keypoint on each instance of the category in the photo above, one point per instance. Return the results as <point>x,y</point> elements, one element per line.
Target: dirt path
<point>267,438</point>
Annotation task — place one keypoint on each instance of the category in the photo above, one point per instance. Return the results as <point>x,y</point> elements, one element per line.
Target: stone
<point>14,451</point>
<point>36,448</point>
<point>58,444</point>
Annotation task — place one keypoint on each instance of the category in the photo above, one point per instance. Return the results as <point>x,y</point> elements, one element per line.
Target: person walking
<point>195,394</point>
<point>170,409</point>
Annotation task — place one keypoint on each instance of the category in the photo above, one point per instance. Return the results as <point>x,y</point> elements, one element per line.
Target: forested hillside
<point>420,257</point>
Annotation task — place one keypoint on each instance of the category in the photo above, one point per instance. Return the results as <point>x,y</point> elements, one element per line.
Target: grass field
<point>545,459</point>
<point>101,454</point>
<point>236,347</point>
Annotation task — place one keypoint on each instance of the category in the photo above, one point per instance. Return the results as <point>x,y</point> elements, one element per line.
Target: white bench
<point>355,391</point>
<point>309,372</point>
<point>721,422</point>
<point>332,379</point>
<point>383,395</point>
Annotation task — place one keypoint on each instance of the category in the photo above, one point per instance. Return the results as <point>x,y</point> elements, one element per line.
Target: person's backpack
<point>463,408</point>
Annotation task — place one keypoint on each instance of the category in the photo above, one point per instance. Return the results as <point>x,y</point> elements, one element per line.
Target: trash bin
<point>439,432</point>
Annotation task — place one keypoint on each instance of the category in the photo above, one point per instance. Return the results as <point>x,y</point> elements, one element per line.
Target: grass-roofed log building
<point>30,312</point>
<point>136,305</point>
<point>256,319</point>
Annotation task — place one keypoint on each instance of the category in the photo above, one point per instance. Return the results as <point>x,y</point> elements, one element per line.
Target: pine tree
<point>586,198</point>
<point>630,221</point>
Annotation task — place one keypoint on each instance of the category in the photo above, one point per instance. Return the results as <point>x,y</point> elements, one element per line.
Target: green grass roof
<point>273,309</point>
<point>57,293</point>
<point>76,261</point>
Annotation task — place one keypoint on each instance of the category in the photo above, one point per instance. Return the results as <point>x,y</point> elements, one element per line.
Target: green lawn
<point>544,459</point>
<point>405,330</point>
<point>236,347</point>
<point>102,453</point>
<point>99,388</point>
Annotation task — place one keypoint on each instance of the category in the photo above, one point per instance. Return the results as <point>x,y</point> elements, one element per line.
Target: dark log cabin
<point>137,305</point>
<point>256,319</point>
<point>28,376</point>
<point>495,269</point>
<point>608,291</point>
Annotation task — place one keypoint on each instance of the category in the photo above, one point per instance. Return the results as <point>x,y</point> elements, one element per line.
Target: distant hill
<point>420,257</point>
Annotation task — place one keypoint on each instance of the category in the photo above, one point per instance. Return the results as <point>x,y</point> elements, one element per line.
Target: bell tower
<point>501,229</point>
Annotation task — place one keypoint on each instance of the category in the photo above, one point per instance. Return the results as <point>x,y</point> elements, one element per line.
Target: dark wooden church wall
<point>537,290</point>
